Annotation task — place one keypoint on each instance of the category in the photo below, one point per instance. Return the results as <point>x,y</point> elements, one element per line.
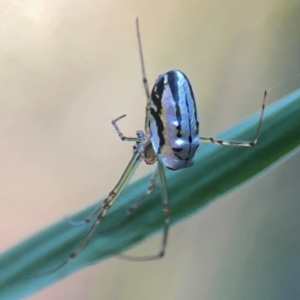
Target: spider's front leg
<point>121,135</point>
<point>140,137</point>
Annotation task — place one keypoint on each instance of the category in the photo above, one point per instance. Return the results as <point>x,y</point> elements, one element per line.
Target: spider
<point>170,139</point>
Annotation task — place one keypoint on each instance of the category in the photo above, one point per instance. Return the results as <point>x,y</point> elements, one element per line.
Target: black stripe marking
<point>177,149</point>
<point>173,84</point>
<point>157,93</point>
<point>156,98</point>
<point>192,95</point>
<point>180,158</point>
<point>160,127</point>
<point>188,112</point>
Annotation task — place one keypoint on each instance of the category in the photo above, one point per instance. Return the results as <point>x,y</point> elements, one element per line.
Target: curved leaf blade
<point>217,171</point>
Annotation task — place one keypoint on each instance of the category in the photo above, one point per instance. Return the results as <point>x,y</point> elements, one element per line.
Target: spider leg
<point>145,80</point>
<point>139,138</point>
<point>105,206</point>
<point>86,220</point>
<point>121,135</point>
<point>239,144</point>
<point>133,208</point>
<point>166,209</point>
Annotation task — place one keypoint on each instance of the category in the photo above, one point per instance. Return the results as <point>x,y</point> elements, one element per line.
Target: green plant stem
<point>217,170</point>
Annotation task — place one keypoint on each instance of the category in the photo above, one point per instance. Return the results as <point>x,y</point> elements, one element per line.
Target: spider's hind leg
<point>166,209</point>
<point>236,143</point>
<point>134,207</point>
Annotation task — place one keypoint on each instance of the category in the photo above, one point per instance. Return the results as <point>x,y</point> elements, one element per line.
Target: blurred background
<point>69,67</point>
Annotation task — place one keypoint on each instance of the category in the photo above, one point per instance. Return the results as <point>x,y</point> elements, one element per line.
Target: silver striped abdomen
<point>174,124</point>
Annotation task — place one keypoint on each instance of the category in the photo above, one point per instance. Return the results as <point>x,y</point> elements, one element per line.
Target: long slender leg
<point>145,80</point>
<point>86,220</point>
<point>121,135</point>
<point>167,211</point>
<point>105,206</point>
<point>134,207</point>
<point>239,144</point>
<point>97,211</point>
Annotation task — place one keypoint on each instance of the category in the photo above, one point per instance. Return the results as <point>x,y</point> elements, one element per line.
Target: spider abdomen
<point>174,124</point>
